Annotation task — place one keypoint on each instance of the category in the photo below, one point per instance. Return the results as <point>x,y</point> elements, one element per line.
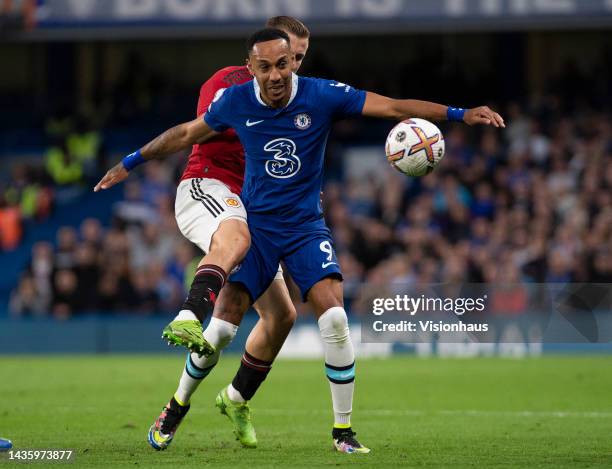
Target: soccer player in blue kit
<point>283,121</point>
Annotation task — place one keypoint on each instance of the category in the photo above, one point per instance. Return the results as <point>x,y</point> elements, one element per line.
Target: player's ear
<point>249,67</point>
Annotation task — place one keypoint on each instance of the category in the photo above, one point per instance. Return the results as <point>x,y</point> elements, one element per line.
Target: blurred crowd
<point>140,263</point>
<point>27,195</point>
<point>532,203</point>
<point>73,156</point>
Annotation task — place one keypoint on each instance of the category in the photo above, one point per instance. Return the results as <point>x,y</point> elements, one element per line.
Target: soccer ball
<point>415,147</point>
<point>5,444</point>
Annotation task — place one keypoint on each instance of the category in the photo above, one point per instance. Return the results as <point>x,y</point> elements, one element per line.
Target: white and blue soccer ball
<point>415,147</point>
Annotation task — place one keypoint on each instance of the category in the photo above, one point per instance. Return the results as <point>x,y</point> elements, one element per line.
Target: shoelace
<point>244,409</point>
<point>169,421</point>
<point>348,437</point>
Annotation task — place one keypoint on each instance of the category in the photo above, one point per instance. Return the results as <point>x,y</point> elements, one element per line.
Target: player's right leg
<point>256,272</point>
<point>219,333</point>
<point>222,233</point>
<point>277,316</point>
<point>213,218</point>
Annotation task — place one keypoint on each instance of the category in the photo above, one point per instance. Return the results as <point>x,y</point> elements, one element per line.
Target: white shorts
<point>200,207</point>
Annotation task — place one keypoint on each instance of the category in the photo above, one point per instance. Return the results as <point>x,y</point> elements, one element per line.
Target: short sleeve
<point>345,100</point>
<point>207,93</point>
<point>223,78</point>
<point>218,115</point>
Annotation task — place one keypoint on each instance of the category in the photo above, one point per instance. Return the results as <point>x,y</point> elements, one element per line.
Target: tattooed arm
<point>177,138</point>
<point>171,141</point>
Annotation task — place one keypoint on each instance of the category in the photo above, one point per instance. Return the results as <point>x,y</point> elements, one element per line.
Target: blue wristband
<point>132,160</point>
<point>455,114</point>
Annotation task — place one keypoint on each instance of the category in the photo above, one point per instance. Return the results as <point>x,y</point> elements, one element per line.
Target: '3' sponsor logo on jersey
<point>285,163</point>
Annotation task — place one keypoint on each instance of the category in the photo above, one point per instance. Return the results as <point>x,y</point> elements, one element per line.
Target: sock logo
<point>340,374</point>
<point>212,297</point>
<point>209,279</point>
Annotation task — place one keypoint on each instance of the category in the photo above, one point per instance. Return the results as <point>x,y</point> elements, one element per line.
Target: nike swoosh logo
<point>325,265</point>
<point>250,124</point>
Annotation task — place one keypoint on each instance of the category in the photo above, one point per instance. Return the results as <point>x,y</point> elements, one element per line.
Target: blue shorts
<point>307,251</point>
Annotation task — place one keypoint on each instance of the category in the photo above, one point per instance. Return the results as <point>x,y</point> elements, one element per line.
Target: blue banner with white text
<point>410,14</point>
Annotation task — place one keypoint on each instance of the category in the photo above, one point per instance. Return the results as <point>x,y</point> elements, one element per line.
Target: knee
<point>241,241</point>
<point>288,317</point>
<point>326,294</point>
<point>283,318</point>
<point>333,325</point>
<point>232,242</point>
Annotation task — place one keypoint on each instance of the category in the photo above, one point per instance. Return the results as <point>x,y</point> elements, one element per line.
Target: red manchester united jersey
<point>222,157</point>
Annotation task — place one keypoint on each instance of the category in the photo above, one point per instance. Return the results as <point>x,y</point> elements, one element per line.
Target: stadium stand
<point>538,204</point>
<point>535,199</point>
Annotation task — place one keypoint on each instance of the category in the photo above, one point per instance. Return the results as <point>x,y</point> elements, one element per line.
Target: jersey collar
<point>294,90</point>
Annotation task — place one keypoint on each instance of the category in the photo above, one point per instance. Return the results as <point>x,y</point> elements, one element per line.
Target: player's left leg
<point>213,218</point>
<point>277,316</point>
<point>247,284</point>
<point>326,297</point>
<point>315,269</point>
<point>237,410</point>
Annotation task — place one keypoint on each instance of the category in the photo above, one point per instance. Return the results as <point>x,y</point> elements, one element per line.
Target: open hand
<point>113,176</point>
<point>483,115</point>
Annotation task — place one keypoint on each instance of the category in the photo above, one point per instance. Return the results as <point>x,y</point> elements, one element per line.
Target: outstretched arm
<point>172,140</point>
<point>400,109</point>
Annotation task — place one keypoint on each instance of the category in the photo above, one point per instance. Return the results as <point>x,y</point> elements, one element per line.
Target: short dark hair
<point>289,23</point>
<point>264,35</point>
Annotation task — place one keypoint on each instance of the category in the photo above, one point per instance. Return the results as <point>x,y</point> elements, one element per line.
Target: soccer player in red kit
<point>210,214</point>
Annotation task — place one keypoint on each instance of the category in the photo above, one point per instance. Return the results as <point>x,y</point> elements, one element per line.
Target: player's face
<point>271,64</point>
<point>299,47</point>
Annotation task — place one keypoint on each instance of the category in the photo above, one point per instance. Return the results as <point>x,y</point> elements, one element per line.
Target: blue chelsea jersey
<point>284,148</point>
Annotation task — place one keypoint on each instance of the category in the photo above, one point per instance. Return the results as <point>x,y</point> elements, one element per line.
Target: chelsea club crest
<point>302,121</point>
